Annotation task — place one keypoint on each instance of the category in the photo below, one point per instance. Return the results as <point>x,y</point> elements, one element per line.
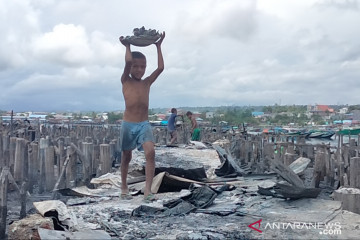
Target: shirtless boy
<point>135,129</point>
<point>195,131</point>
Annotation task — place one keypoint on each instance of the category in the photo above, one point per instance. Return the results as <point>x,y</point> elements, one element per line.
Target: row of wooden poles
<point>41,164</point>
<point>43,158</point>
<point>58,158</point>
<point>337,166</point>
<point>50,157</point>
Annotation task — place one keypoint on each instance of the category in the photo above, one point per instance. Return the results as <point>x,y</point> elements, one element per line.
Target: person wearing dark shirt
<point>172,126</point>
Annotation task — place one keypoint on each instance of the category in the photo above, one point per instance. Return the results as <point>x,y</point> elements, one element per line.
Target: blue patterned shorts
<point>134,135</point>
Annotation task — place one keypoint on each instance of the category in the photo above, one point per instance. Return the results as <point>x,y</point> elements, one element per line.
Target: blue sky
<point>65,55</point>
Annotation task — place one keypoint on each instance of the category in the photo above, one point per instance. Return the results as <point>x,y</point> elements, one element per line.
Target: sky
<point>64,55</point>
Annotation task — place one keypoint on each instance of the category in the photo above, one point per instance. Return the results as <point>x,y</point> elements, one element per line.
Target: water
<point>333,141</point>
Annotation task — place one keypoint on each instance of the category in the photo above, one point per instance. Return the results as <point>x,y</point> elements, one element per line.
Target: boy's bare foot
<point>150,198</point>
<point>125,196</point>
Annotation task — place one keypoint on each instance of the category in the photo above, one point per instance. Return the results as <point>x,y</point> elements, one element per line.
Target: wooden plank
<point>61,177</point>
<point>294,192</point>
<point>223,154</point>
<point>286,173</point>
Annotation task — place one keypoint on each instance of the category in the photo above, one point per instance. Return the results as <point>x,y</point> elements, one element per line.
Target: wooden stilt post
<point>71,167</point>
<point>349,197</point>
<point>12,148</point>
<point>19,160</point>
<point>61,161</point>
<point>87,162</point>
<point>49,167</point>
<point>44,143</point>
<point>61,177</point>
<point>3,202</point>
<point>34,165</point>
<point>23,191</point>
<point>96,160</point>
<point>105,160</point>
<point>355,172</point>
<point>319,169</point>
<point>2,162</point>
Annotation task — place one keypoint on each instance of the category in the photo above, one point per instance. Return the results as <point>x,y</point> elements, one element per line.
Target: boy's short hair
<point>136,54</point>
<point>173,110</point>
<point>188,113</point>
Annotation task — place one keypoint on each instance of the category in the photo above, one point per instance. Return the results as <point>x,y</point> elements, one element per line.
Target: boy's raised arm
<point>161,66</point>
<point>128,60</point>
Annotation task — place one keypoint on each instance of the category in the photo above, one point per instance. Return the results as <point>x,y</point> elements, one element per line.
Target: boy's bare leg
<point>150,166</point>
<point>125,160</point>
<point>173,139</point>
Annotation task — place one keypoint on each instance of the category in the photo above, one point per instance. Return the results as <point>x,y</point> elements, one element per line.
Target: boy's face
<point>138,68</point>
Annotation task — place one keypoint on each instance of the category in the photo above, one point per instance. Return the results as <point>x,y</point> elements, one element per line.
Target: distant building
<point>223,123</point>
<point>343,110</point>
<point>209,115</point>
<point>257,114</point>
<point>321,110</point>
<point>199,119</point>
<point>161,116</point>
<point>35,117</point>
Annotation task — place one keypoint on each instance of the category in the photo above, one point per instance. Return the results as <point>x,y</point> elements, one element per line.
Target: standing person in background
<point>195,131</point>
<point>172,126</point>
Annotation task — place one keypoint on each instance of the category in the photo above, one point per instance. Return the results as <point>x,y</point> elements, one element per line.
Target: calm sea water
<point>333,141</point>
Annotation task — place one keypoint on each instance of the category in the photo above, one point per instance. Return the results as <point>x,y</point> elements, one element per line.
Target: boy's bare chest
<point>136,89</point>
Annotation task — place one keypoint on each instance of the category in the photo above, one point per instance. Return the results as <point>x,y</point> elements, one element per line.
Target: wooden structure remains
<point>45,158</point>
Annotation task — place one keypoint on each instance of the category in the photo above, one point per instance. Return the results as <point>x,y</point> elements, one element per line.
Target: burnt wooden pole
<point>61,162</point>
<point>12,148</point>
<point>105,159</point>
<point>19,162</point>
<point>70,172</point>
<point>2,162</point>
<point>34,165</point>
<point>3,201</point>
<point>44,143</point>
<point>319,169</point>
<point>355,172</point>
<point>87,149</point>
<point>23,192</point>
<point>96,160</point>
<point>49,168</point>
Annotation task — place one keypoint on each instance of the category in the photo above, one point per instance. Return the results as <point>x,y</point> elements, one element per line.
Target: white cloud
<point>66,44</point>
<point>216,52</point>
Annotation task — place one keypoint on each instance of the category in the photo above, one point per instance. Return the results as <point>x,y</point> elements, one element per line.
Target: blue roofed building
<point>40,117</point>
<point>257,114</point>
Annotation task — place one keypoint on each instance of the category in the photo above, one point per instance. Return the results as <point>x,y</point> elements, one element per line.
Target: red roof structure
<point>323,108</point>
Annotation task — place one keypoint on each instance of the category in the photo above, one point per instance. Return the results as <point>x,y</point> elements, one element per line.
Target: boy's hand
<point>122,40</point>
<point>162,36</point>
